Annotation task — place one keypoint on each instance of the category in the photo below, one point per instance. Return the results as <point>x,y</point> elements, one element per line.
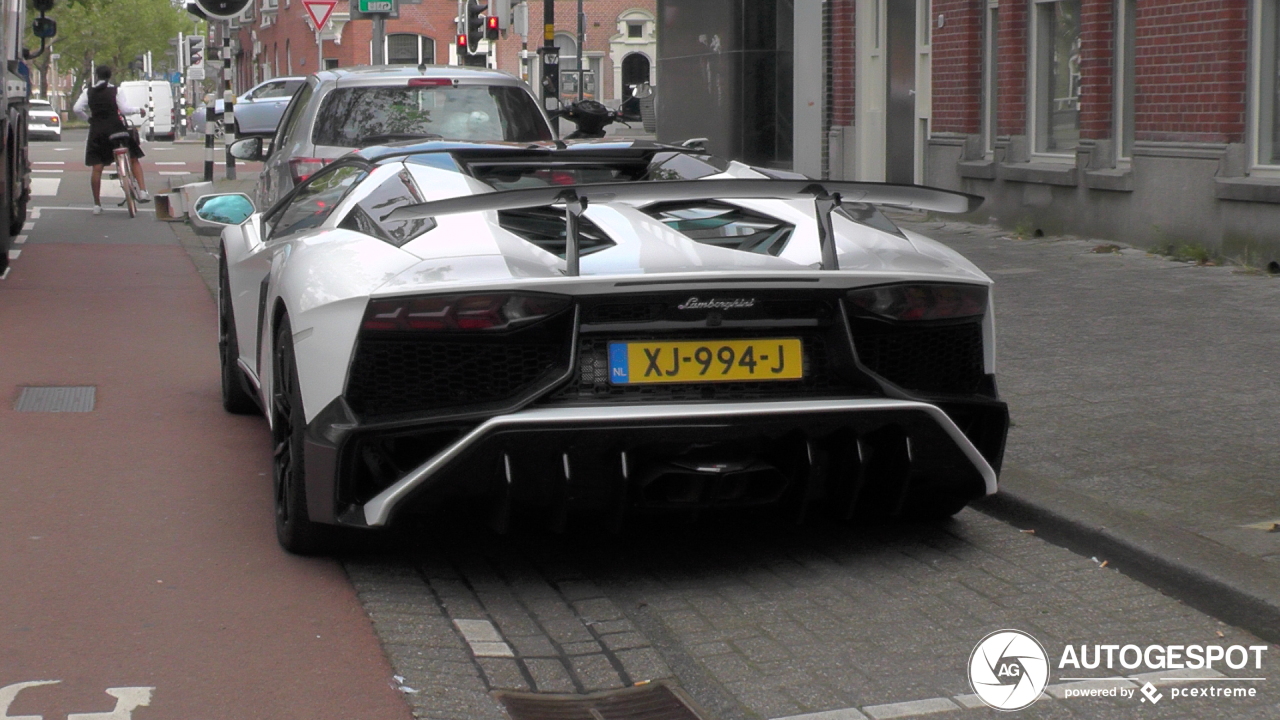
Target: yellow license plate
<point>705,361</point>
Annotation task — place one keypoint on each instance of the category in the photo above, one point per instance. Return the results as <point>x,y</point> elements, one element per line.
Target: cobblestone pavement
<point>1143,382</point>
<point>764,623</point>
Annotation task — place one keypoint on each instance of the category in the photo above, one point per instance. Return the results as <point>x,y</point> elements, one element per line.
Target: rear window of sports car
<point>363,116</point>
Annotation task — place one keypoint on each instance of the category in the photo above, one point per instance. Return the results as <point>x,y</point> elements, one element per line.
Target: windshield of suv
<point>362,116</point>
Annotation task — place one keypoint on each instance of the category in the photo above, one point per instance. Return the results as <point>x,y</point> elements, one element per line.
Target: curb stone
<point>1221,582</point>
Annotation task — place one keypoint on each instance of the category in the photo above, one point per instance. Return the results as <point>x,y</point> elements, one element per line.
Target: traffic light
<point>195,51</point>
<point>491,27</point>
<point>218,9</point>
<point>475,24</point>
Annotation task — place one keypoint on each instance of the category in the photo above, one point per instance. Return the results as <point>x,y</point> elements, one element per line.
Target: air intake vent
<point>545,227</point>
<point>724,225</point>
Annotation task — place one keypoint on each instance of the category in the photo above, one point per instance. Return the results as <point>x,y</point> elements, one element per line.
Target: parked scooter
<point>590,116</point>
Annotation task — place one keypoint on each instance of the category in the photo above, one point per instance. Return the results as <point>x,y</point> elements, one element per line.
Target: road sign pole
<point>379,39</point>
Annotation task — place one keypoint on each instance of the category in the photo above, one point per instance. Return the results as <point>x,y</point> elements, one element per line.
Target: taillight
<point>303,168</point>
<point>430,82</point>
<point>925,301</point>
<point>54,119</point>
<point>452,313</point>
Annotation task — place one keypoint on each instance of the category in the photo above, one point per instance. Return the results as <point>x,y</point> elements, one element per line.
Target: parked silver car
<point>258,111</point>
<point>339,110</point>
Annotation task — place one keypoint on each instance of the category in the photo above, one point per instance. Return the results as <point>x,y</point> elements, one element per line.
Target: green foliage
<point>114,33</point>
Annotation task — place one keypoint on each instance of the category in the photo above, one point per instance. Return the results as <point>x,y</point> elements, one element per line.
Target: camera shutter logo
<point>1008,670</point>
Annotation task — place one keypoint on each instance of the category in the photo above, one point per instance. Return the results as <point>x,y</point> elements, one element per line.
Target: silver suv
<point>339,110</point>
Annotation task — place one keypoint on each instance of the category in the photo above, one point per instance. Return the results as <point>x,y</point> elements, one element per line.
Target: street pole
<point>379,39</point>
<point>319,52</point>
<point>550,62</point>
<point>229,101</point>
<point>582,33</point>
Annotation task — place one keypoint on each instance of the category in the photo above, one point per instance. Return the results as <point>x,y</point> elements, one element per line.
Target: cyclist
<point>103,107</point>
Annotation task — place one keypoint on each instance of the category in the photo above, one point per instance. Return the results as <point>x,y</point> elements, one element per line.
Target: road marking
<point>28,226</point>
<point>45,171</point>
<point>14,254</point>
<point>49,162</point>
<point>484,638</point>
<point>45,186</point>
<point>35,213</point>
<point>9,692</point>
<point>111,188</point>
<point>167,172</point>
<point>842,714</point>
<point>128,699</point>
<point>75,207</point>
<point>908,709</point>
<point>171,163</point>
<point>5,275</point>
<point>19,239</point>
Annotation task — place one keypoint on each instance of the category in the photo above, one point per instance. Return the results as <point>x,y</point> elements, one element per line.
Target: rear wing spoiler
<point>826,194</point>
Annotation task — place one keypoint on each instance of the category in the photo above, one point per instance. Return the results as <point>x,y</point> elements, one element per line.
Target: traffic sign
<point>377,6</point>
<point>319,11</point>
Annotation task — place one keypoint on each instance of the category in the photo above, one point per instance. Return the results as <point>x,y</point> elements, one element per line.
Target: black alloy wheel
<point>235,398</point>
<point>294,529</point>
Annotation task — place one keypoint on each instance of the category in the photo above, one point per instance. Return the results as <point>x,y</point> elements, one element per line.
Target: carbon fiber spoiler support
<point>826,194</point>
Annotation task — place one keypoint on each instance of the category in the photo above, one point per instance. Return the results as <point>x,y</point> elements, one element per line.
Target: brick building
<point>276,38</point>
<point>1155,122</point>
<point>1148,121</point>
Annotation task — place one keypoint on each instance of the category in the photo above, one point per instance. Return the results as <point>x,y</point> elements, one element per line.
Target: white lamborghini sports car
<point>602,330</point>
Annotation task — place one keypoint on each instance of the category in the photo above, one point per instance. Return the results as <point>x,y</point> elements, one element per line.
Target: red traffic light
<point>492,22</point>
<point>462,40</point>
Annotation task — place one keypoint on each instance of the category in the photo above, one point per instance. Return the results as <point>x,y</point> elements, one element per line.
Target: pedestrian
<point>104,108</point>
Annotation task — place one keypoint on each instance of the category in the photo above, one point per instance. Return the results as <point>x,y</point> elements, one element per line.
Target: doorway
<point>635,71</point>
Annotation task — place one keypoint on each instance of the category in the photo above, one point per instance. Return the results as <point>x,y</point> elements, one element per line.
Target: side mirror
<point>225,209</point>
<point>249,148</point>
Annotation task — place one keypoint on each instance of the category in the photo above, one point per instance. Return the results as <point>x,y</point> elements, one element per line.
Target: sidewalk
<point>1146,412</point>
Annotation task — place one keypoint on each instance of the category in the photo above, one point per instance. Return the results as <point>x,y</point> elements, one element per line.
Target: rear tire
<point>294,529</point>
<point>235,398</point>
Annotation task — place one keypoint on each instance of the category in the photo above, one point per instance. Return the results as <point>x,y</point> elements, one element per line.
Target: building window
<point>1266,39</point>
<point>635,29</point>
<point>1123,107</point>
<point>1056,76</point>
<point>990,74</point>
<point>409,49</point>
<point>330,63</point>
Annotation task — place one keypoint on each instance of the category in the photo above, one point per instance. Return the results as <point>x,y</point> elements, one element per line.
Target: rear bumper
<point>934,449</point>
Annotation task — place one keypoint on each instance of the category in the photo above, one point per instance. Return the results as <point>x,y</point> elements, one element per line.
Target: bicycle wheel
<point>126,183</point>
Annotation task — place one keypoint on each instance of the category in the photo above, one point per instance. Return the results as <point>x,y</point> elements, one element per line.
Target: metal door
<point>900,106</point>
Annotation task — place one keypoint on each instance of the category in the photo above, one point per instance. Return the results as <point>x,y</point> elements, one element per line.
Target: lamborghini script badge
<point>694,303</point>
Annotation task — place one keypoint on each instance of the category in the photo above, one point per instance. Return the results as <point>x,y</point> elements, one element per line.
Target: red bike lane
<point>137,547</point>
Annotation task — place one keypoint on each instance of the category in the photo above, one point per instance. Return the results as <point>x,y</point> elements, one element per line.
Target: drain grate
<point>66,398</point>
<point>655,701</point>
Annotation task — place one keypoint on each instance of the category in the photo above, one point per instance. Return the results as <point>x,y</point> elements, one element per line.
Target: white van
<point>135,93</point>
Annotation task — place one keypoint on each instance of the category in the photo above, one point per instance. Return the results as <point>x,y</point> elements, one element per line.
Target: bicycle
<point>124,171</point>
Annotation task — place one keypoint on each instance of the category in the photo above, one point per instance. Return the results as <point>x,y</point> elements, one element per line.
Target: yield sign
<point>319,10</point>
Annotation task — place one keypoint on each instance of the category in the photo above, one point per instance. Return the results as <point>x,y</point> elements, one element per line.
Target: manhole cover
<point>66,398</point>
<point>656,701</point>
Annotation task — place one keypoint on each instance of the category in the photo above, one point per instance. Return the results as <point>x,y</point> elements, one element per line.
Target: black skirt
<point>100,150</point>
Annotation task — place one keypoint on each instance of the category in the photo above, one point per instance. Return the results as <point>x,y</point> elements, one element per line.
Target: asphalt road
<point>140,542</point>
